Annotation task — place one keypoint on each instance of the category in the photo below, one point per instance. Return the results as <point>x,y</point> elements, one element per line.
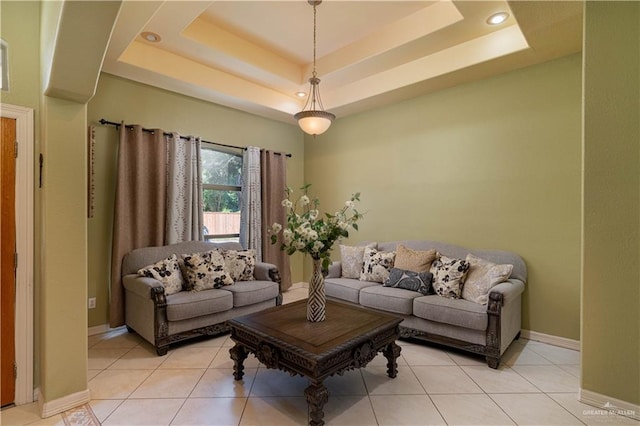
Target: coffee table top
<point>288,324</point>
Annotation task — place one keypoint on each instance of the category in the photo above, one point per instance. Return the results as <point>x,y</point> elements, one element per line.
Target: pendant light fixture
<point>313,119</point>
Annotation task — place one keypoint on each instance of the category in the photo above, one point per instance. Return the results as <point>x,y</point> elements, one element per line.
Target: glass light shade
<point>314,122</point>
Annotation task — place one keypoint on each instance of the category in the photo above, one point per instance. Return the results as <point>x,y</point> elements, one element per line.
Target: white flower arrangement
<point>308,232</point>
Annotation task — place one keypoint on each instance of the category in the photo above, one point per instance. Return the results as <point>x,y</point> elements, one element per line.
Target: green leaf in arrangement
<point>309,231</point>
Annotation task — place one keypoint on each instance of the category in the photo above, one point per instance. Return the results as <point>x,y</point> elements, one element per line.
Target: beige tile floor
<point>537,384</point>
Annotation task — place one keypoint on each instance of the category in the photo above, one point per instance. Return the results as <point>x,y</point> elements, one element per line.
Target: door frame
<point>25,249</point>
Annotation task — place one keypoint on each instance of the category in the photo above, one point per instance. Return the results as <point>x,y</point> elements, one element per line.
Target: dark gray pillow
<point>409,280</point>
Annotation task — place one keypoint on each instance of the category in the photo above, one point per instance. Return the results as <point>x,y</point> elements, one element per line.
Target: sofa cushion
<point>347,289</point>
<point>377,265</point>
<point>139,258</point>
<point>388,299</point>
<point>167,271</point>
<point>448,276</point>
<point>496,256</point>
<point>189,304</point>
<point>458,312</point>
<point>482,277</point>
<point>250,292</point>
<point>206,270</point>
<point>409,280</point>
<point>414,260</point>
<point>352,260</point>
<point>240,264</point>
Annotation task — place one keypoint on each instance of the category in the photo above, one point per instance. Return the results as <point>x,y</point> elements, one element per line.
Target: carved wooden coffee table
<point>282,338</point>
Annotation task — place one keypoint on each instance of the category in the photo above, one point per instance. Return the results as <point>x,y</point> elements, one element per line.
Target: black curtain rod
<point>130,126</point>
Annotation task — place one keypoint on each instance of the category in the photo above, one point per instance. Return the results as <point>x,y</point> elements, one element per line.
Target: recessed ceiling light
<point>497,18</point>
<point>301,94</point>
<point>152,37</point>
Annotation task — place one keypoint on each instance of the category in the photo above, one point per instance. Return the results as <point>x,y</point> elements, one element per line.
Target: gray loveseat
<point>165,319</point>
<point>487,330</point>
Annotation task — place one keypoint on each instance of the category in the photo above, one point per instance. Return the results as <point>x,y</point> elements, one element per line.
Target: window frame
<point>218,187</point>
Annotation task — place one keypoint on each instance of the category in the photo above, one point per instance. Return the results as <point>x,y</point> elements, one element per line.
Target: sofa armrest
<point>269,272</point>
<point>509,290</point>
<point>142,286</point>
<point>335,270</point>
<point>266,272</point>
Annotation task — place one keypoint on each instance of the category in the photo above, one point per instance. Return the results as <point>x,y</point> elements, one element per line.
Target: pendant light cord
<point>314,41</point>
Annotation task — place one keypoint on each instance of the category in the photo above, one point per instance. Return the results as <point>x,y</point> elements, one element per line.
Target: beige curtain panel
<point>184,190</point>
<point>274,183</point>
<point>139,216</point>
<point>251,201</point>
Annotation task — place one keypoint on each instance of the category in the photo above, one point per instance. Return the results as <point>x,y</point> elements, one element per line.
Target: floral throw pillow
<point>448,276</point>
<point>240,264</point>
<point>482,277</point>
<point>206,270</point>
<point>409,280</point>
<point>167,271</point>
<point>377,265</point>
<point>352,260</point>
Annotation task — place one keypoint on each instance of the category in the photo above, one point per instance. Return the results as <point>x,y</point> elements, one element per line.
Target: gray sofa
<point>165,319</point>
<point>487,330</point>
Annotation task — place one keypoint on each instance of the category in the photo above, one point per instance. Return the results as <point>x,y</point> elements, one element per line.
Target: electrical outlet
<point>92,303</point>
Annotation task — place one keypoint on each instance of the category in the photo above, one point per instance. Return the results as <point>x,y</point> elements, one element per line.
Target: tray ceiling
<point>257,55</point>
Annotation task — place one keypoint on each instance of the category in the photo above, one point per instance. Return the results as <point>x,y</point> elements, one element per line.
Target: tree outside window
<point>221,183</point>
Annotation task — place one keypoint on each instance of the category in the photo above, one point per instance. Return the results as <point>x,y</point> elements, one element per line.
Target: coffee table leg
<point>392,352</point>
<point>238,355</point>
<point>317,396</point>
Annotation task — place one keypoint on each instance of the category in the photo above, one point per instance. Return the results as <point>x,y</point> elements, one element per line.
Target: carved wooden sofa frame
<point>146,304</point>
<point>503,310</point>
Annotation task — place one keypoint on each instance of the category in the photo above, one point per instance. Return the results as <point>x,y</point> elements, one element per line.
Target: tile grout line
<point>411,368</point>
<point>487,394</point>
<point>444,419</point>
<point>537,387</point>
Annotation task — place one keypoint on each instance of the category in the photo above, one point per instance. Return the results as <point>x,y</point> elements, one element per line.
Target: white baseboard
<point>99,329</point>
<point>563,342</point>
<point>60,405</point>
<point>301,284</point>
<point>605,405</point>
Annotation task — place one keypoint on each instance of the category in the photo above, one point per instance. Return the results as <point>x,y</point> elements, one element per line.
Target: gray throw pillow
<point>409,280</point>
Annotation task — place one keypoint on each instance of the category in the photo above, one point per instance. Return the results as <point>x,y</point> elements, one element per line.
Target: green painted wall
<point>493,164</point>
<point>119,99</point>
<point>20,28</point>
<point>60,338</point>
<point>611,274</point>
<point>63,241</point>
<point>490,164</point>
<point>63,314</point>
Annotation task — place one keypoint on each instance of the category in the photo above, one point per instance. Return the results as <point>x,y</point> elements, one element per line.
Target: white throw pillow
<point>352,260</point>
<point>448,275</point>
<point>205,270</point>
<point>377,265</point>
<point>482,277</point>
<point>240,264</point>
<point>167,271</point>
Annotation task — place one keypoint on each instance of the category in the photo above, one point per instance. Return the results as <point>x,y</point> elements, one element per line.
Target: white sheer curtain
<point>184,190</point>
<point>251,210</point>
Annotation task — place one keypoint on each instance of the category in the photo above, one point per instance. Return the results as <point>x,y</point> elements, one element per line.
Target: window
<point>4,65</point>
<point>221,185</point>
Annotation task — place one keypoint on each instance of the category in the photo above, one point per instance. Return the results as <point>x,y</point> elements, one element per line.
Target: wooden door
<point>7,263</point>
